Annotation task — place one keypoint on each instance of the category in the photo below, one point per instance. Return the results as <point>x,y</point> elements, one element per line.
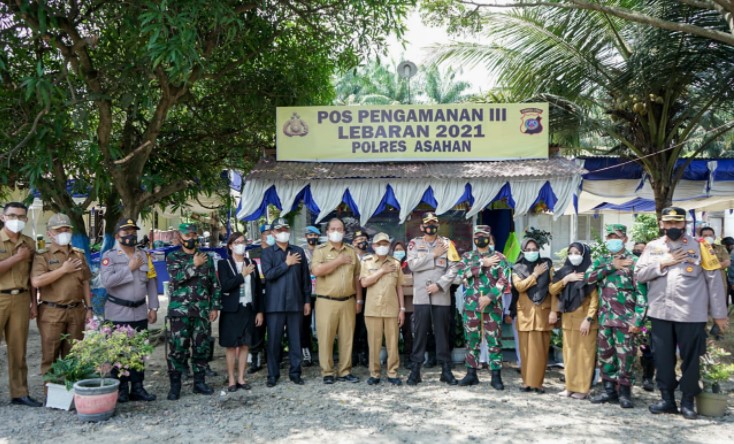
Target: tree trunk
<point>113,213</point>
<point>663,192</point>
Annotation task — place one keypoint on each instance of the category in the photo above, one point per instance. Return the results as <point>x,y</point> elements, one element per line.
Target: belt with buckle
<point>14,291</point>
<point>332,298</point>
<point>64,306</point>
<point>124,302</point>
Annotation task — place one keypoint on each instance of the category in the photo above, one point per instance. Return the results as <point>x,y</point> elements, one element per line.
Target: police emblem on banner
<point>531,121</point>
<point>295,127</point>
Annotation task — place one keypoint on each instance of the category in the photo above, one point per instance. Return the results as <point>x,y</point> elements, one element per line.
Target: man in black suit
<point>287,297</point>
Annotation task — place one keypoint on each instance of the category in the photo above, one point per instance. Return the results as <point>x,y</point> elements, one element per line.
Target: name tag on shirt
<point>54,261</point>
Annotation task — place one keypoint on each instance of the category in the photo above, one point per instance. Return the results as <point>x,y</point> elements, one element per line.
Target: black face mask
<point>129,240</point>
<point>362,245</point>
<point>431,229</point>
<point>481,242</point>
<point>637,253</point>
<point>674,233</point>
<point>313,240</point>
<point>190,243</point>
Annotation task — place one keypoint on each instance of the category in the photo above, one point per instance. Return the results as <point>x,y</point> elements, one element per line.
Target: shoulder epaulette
<point>42,251</point>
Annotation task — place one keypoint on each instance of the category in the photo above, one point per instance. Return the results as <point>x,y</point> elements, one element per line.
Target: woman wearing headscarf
<point>578,301</point>
<point>533,304</point>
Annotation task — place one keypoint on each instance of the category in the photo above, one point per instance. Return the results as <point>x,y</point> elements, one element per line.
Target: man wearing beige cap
<point>62,276</point>
<point>384,310</point>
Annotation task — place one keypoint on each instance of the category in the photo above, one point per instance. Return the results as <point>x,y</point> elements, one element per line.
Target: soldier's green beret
<point>187,228</point>
<point>617,229</point>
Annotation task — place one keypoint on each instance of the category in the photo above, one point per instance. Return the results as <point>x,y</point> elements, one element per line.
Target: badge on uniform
<point>54,261</point>
<point>689,269</point>
<point>105,262</point>
<point>441,262</point>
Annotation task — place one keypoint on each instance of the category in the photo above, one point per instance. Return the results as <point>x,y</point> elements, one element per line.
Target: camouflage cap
<point>673,214</point>
<point>58,220</point>
<point>429,217</point>
<point>482,229</point>
<point>381,237</point>
<point>187,228</point>
<point>126,223</point>
<point>618,229</point>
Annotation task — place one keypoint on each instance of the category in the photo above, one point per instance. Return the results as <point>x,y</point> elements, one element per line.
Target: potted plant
<point>557,345</point>
<point>105,348</point>
<point>711,402</point>
<point>60,379</point>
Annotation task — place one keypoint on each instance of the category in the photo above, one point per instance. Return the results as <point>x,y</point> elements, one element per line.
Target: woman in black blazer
<point>242,299</point>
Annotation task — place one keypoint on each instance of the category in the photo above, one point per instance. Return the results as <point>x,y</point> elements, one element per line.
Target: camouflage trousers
<point>188,333</point>
<point>489,326</point>
<point>616,354</point>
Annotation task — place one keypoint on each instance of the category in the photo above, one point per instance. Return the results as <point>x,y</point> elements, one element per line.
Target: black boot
<point>200,385</point>
<point>431,362</point>
<point>407,363</point>
<point>687,407</point>
<point>446,375</point>
<point>175,391</point>
<point>138,393</point>
<point>648,372</point>
<point>123,393</point>
<point>625,397</point>
<point>609,395</point>
<point>255,365</point>
<point>415,374</point>
<point>497,380</point>
<point>470,378</point>
<point>209,372</point>
<point>665,405</point>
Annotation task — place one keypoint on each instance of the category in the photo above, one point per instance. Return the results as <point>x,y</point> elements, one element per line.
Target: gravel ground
<point>344,412</point>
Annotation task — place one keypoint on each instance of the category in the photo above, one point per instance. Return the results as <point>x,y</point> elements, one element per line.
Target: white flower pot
<point>58,397</point>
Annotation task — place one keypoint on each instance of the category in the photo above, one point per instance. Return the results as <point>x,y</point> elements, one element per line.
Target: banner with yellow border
<point>455,132</point>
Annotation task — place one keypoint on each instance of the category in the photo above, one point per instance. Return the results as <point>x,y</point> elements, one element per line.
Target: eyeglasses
<point>16,217</point>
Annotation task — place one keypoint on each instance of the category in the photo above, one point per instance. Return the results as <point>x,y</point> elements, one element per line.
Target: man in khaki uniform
<point>384,311</point>
<point>62,276</point>
<point>17,306</point>
<point>338,299</point>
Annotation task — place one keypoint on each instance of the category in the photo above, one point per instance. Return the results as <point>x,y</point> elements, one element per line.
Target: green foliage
<point>69,370</point>
<point>645,228</point>
<point>713,370</point>
<point>541,237</point>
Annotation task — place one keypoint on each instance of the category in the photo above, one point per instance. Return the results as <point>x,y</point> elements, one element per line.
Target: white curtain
<point>524,194</point>
<point>564,189</point>
<point>328,195</point>
<point>446,193</point>
<point>253,193</point>
<point>367,195</point>
<point>483,192</point>
<point>408,193</point>
<point>287,191</point>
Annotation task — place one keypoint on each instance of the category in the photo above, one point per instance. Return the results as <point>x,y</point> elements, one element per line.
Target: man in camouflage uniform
<point>622,307</point>
<point>486,274</point>
<point>194,303</point>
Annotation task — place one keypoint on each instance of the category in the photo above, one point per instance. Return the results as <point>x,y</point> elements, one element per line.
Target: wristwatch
<point>402,308</point>
<point>360,301</point>
<point>590,319</point>
<point>153,309</point>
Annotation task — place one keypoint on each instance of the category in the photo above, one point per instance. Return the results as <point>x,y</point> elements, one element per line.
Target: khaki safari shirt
<point>69,288</point>
<point>340,282</point>
<point>18,277</point>
<point>383,294</point>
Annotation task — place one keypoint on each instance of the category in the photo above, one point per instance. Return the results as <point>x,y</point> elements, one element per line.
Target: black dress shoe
<point>271,382</point>
<point>26,401</point>
<point>526,389</point>
<point>373,381</point>
<point>395,381</point>
<point>245,386</point>
<point>348,378</point>
<point>232,388</point>
<point>297,380</point>
<point>328,379</point>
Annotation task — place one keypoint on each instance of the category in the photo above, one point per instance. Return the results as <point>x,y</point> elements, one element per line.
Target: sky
<point>418,40</point>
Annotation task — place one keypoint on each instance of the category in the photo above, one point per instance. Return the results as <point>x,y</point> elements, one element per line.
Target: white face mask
<point>575,259</point>
<point>15,225</point>
<point>282,237</point>
<point>382,250</point>
<point>62,239</point>
<point>238,249</point>
<point>709,239</point>
<point>336,236</point>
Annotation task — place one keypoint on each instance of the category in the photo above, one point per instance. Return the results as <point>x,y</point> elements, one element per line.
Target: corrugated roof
<point>510,169</point>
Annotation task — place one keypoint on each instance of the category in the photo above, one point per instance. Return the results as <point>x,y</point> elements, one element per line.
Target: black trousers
<point>135,375</point>
<point>440,318</point>
<point>359,340</point>
<point>276,322</point>
<point>690,338</point>
<point>306,333</point>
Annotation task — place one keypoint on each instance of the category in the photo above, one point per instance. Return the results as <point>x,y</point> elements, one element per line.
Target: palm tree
<point>653,95</point>
<point>443,87</point>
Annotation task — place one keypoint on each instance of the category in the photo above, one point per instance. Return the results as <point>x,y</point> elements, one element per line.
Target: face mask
<point>15,225</point>
<point>190,243</point>
<point>431,229</point>
<point>674,233</point>
<point>238,249</point>
<point>709,239</point>
<point>614,245</point>
<point>313,240</point>
<point>399,255</point>
<point>575,259</point>
<point>270,240</point>
<point>63,238</point>
<point>128,240</point>
<point>531,256</point>
<point>382,250</point>
<point>336,236</point>
<point>362,245</point>
<point>481,242</point>
<point>283,238</point>
<point>637,253</point>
